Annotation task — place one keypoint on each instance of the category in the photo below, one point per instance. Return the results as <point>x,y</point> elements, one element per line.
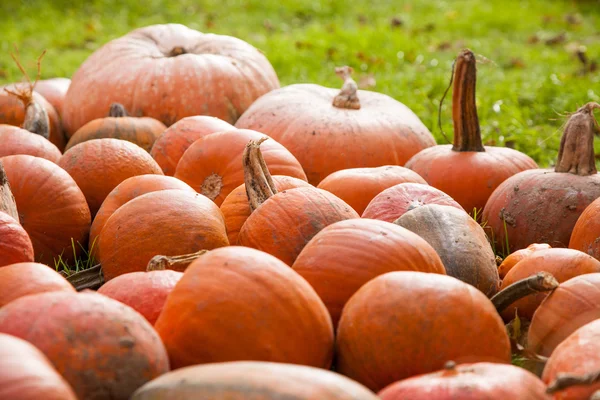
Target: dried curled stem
<point>257,178</point>
<point>7,200</point>
<point>347,97</point>
<point>540,282</point>
<point>117,110</point>
<point>576,153</point>
<point>161,263</point>
<point>91,278</point>
<point>565,381</point>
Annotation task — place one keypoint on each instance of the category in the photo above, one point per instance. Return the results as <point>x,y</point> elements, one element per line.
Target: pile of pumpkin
<point>251,239</point>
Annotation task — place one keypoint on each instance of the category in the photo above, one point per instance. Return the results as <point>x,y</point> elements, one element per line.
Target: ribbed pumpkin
<point>542,206</point>
<point>26,373</point>
<point>212,165</point>
<point>169,72</point>
<point>99,345</point>
<point>509,262</point>
<point>52,209</point>
<point>127,190</point>
<point>235,207</point>
<point>587,231</point>
<point>16,140</point>
<point>25,278</point>
<point>358,186</point>
<point>166,222</point>
<point>172,143</point>
<point>479,381</point>
<point>407,323</point>
<point>236,303</point>
<point>118,124</point>
<point>99,165</point>
<point>329,130</point>
<point>563,264</point>
<point>459,240</point>
<point>282,223</point>
<point>347,254</point>
<point>468,171</point>
<point>252,380</point>
<point>15,244</point>
<point>394,202</point>
<point>54,90</point>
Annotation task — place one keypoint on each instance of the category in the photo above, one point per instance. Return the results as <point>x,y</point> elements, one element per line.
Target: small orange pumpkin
<point>16,140</point>
<point>15,244</point>
<point>509,262</point>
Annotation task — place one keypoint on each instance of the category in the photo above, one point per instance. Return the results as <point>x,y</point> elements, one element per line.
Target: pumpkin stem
<point>258,180</point>
<point>467,135</point>
<point>565,381</point>
<point>7,200</point>
<point>540,282</point>
<point>177,51</point>
<point>576,153</point>
<point>347,97</point>
<point>117,110</point>
<point>91,278</point>
<point>160,263</point>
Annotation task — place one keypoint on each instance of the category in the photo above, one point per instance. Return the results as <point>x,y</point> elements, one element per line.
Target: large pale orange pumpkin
<point>15,244</point>
<point>329,130</point>
<point>169,72</point>
<point>16,140</point>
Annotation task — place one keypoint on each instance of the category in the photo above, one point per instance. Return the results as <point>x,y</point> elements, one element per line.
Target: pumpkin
<point>541,205</point>
<point>573,304</point>
<point>329,130</point>
<point>127,190</point>
<point>407,323</point>
<point>478,381</point>
<point>563,264</point>
<point>52,209</point>
<point>119,125</point>
<point>466,170</point>
<point>235,207</point>
<point>15,244</point>
<point>174,72</point>
<point>8,203</point>
<point>173,142</point>
<point>100,346</point>
<point>223,309</point>
<point>26,374</point>
<point>459,240</point>
<point>99,165</point>
<point>358,186</point>
<point>587,230</point>
<point>282,223</point>
<point>167,222</point>
<point>509,262</point>
<point>347,254</point>
<point>54,90</point>
<point>212,165</point>
<point>394,202</point>
<point>252,380</point>
<point>25,278</point>
<point>16,140</point>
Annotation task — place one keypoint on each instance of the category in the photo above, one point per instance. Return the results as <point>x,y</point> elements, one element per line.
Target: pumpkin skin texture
<point>145,292</point>
<point>212,165</point>
<point>244,284</point>
<point>22,279</point>
<point>563,264</point>
<point>236,210</point>
<point>578,354</point>
<point>129,189</point>
<point>54,90</point>
<point>99,165</point>
<point>252,380</point>
<point>166,222</point>
<point>26,373</point>
<point>15,244</point>
<point>570,306</point>
<point>459,240</point>
<point>394,202</point>
<point>587,230</point>
<point>384,335</point>
<point>169,72</point>
<point>347,254</point>
<point>509,262</point>
<point>173,142</point>
<point>479,381</point>
<point>358,186</point>
<point>122,351</point>
<point>16,140</point>
<point>288,220</point>
<point>52,209</point>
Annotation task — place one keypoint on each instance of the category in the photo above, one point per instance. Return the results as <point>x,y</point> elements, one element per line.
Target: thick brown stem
<point>565,381</point>
<point>576,153</point>
<point>258,180</point>
<point>117,111</point>
<point>540,282</point>
<point>348,96</point>
<point>91,278</point>
<point>467,135</point>
<point>160,263</point>
<point>7,200</point>
<point>177,51</point>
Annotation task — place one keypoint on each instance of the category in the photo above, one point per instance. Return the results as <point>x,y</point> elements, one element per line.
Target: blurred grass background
<point>531,72</point>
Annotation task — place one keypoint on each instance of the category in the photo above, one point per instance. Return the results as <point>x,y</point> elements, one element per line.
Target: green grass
<point>524,88</point>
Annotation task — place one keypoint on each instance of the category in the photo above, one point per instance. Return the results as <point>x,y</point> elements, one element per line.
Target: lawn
<point>530,74</point>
